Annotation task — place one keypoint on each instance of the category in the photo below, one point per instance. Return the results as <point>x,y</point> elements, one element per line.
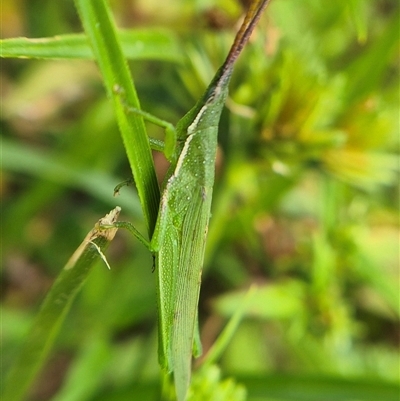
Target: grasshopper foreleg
<point>167,147</point>
<point>131,228</point>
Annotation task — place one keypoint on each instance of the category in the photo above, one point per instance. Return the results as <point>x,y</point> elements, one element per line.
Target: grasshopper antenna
<point>250,21</point>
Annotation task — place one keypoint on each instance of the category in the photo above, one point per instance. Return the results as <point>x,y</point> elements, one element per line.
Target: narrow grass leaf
<point>224,338</point>
<point>317,388</point>
<point>23,159</point>
<point>55,307</point>
<point>138,44</point>
<point>102,34</point>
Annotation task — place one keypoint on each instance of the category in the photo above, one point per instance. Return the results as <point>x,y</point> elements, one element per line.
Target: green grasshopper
<point>179,238</point>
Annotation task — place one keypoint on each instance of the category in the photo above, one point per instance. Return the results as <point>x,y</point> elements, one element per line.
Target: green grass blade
<point>366,72</point>
<point>359,18</point>
<point>91,363</point>
<point>20,158</point>
<point>155,44</point>
<point>317,388</point>
<point>55,307</point>
<point>102,36</point>
<point>224,338</point>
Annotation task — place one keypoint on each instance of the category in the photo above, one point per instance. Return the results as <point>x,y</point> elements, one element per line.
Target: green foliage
<point>101,32</point>
<point>55,306</point>
<point>136,44</point>
<point>208,384</point>
<point>305,206</point>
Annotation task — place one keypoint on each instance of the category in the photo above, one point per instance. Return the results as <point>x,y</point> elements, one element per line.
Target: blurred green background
<point>305,203</point>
